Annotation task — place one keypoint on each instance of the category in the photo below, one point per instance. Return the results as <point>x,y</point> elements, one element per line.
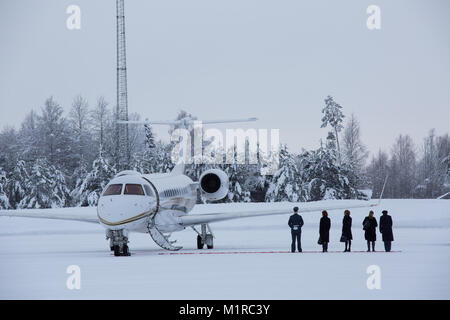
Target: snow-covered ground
<point>35,253</point>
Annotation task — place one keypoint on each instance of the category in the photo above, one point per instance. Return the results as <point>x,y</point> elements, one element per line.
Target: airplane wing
<point>72,214</point>
<point>318,206</point>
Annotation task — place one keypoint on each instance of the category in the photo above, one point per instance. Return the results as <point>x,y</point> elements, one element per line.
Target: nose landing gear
<point>118,242</point>
<point>204,237</point>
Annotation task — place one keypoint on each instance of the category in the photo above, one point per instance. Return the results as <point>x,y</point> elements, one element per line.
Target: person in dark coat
<point>295,223</point>
<point>324,230</point>
<point>370,227</point>
<point>386,230</point>
<point>347,231</point>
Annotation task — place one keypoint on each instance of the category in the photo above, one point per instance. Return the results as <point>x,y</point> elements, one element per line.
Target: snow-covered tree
<point>149,136</point>
<point>55,140</point>
<point>354,151</point>
<point>286,183</point>
<point>402,176</point>
<point>333,116</point>
<point>237,173</point>
<point>377,172</point>
<point>154,160</point>
<point>325,178</point>
<point>10,146</point>
<point>88,190</point>
<point>16,184</point>
<point>100,118</point>
<point>29,138</point>
<point>45,187</point>
<point>4,202</point>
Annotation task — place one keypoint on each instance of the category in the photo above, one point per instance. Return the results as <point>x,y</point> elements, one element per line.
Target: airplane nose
<point>120,208</point>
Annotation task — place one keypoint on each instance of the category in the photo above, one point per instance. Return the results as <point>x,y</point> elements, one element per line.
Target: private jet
<point>159,204</point>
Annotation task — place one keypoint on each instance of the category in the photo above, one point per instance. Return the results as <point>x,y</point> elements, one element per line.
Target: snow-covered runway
<point>34,256</point>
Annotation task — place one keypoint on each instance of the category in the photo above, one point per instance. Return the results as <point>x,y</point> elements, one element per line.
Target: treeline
<point>56,159</point>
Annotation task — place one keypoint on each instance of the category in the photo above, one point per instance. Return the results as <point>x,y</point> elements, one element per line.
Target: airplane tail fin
<point>179,169</point>
<point>382,190</point>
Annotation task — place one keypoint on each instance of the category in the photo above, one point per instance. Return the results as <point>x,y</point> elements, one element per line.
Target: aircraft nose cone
<point>119,208</point>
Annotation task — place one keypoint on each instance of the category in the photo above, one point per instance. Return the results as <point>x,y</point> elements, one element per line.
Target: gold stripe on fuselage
<point>118,223</point>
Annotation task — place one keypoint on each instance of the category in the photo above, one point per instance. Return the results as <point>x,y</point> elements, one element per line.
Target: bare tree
<point>354,151</point>
<point>100,118</point>
<point>377,171</point>
<point>433,166</point>
<point>403,167</point>
<point>79,119</point>
<point>54,138</point>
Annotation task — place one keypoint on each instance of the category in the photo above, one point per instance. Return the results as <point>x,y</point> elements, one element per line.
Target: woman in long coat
<point>370,227</point>
<point>347,231</point>
<point>324,230</point>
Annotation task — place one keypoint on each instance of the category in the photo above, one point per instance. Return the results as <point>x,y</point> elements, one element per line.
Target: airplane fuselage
<point>131,200</point>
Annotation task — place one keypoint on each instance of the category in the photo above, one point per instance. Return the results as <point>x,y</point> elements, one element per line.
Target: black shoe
<point>299,250</point>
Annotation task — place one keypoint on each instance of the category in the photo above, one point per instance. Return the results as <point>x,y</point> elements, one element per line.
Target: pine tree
<point>333,116</point>
<point>237,175</point>
<point>88,191</point>
<point>4,202</point>
<point>45,187</point>
<point>16,184</point>
<point>285,184</point>
<point>325,178</point>
<point>149,137</point>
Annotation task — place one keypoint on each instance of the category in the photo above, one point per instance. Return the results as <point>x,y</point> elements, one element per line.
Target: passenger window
<point>148,190</point>
<point>114,189</point>
<point>135,189</point>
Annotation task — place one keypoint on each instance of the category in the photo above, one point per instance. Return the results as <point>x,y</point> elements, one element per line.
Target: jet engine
<point>214,184</point>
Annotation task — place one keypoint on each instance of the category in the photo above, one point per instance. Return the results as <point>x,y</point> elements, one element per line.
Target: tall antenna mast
<point>122,139</point>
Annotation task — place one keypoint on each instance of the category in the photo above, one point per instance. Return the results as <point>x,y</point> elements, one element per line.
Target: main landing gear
<point>118,242</point>
<point>204,237</point>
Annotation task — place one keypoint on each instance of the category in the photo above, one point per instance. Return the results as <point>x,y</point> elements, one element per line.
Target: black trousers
<point>296,236</point>
<point>324,246</point>
<point>348,245</point>
<point>387,246</point>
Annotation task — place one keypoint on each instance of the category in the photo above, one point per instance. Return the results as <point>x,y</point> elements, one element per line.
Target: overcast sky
<point>275,60</point>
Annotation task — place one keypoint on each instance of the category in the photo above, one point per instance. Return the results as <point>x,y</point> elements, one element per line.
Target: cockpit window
<point>114,189</point>
<point>148,190</point>
<point>135,189</point>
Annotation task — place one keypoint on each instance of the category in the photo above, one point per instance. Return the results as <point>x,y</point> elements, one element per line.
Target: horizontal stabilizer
<point>177,122</point>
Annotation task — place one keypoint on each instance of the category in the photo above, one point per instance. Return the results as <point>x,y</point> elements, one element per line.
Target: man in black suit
<point>386,230</point>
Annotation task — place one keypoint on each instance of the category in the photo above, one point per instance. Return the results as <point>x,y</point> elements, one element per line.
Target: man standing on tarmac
<point>296,223</point>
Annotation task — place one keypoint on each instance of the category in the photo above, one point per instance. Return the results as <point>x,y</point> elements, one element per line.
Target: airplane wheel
<point>209,241</point>
<point>126,251</point>
<point>116,251</point>
<point>200,243</point>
